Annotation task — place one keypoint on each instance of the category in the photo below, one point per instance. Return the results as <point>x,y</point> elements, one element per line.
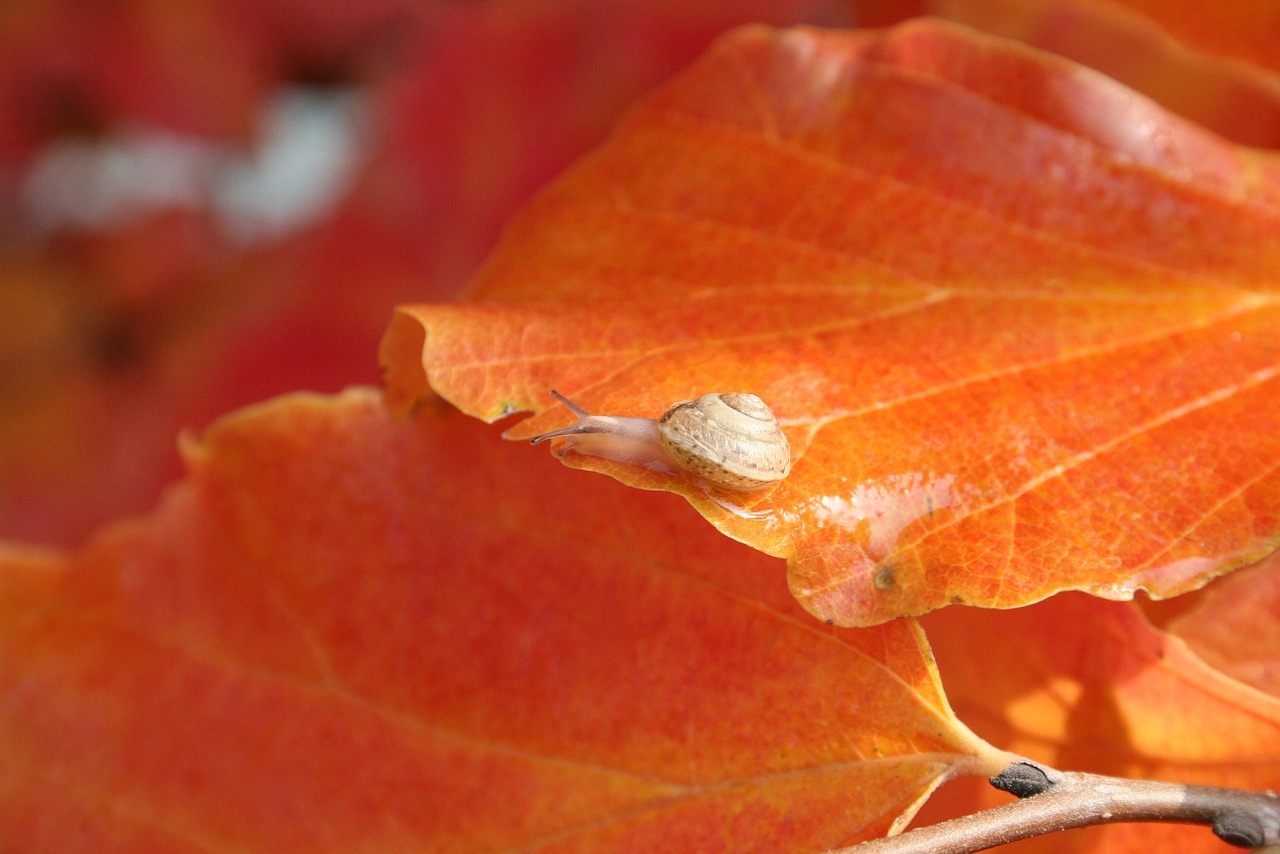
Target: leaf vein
<point>1079,459</point>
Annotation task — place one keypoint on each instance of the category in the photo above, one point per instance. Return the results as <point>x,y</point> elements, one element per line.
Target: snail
<point>730,440</point>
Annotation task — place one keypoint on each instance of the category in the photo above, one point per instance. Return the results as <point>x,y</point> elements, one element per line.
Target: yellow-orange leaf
<point>1235,625</point>
<point>344,634</point>
<point>1090,685</point>
<point>1020,324</point>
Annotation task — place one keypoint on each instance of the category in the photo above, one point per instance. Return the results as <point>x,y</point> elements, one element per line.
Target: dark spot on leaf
<point>884,578</point>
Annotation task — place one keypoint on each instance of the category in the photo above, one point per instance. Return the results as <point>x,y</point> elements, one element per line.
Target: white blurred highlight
<point>311,146</point>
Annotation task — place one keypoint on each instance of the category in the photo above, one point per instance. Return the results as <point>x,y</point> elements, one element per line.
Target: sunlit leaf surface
<point>1019,324</point>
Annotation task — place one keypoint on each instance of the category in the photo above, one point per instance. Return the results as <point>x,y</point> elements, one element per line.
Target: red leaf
<point>344,634</point>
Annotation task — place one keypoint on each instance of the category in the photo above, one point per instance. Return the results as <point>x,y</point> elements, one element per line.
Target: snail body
<point>730,440</point>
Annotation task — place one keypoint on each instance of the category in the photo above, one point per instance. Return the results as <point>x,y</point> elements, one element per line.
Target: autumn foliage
<point>1013,299</point>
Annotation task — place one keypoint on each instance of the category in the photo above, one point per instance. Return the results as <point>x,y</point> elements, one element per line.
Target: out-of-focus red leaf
<point>1234,625</point>
<point>71,68</point>
<point>344,634</point>
<point>1019,323</point>
<point>528,86</point>
<point>68,67</point>
<point>164,323</point>
<point>1182,54</point>
<point>104,362</point>
<point>1090,685</point>
<point>1244,30</point>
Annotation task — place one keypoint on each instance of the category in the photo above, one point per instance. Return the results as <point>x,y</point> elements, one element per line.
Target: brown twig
<point>1068,799</point>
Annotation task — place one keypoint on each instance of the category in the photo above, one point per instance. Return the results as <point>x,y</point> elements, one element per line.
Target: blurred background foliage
<point>205,204</point>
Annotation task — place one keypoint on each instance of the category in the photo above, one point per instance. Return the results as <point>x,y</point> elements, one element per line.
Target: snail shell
<point>731,440</point>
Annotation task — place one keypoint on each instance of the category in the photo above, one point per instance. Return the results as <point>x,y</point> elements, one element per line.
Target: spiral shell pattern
<point>732,440</point>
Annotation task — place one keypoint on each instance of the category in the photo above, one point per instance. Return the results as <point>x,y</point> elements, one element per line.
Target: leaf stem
<point>1071,799</point>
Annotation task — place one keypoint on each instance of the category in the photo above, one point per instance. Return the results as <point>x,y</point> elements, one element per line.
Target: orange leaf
<point>1235,625</point>
<point>345,634</point>
<point>1153,46</point>
<point>1019,324</point>
<point>1090,685</point>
